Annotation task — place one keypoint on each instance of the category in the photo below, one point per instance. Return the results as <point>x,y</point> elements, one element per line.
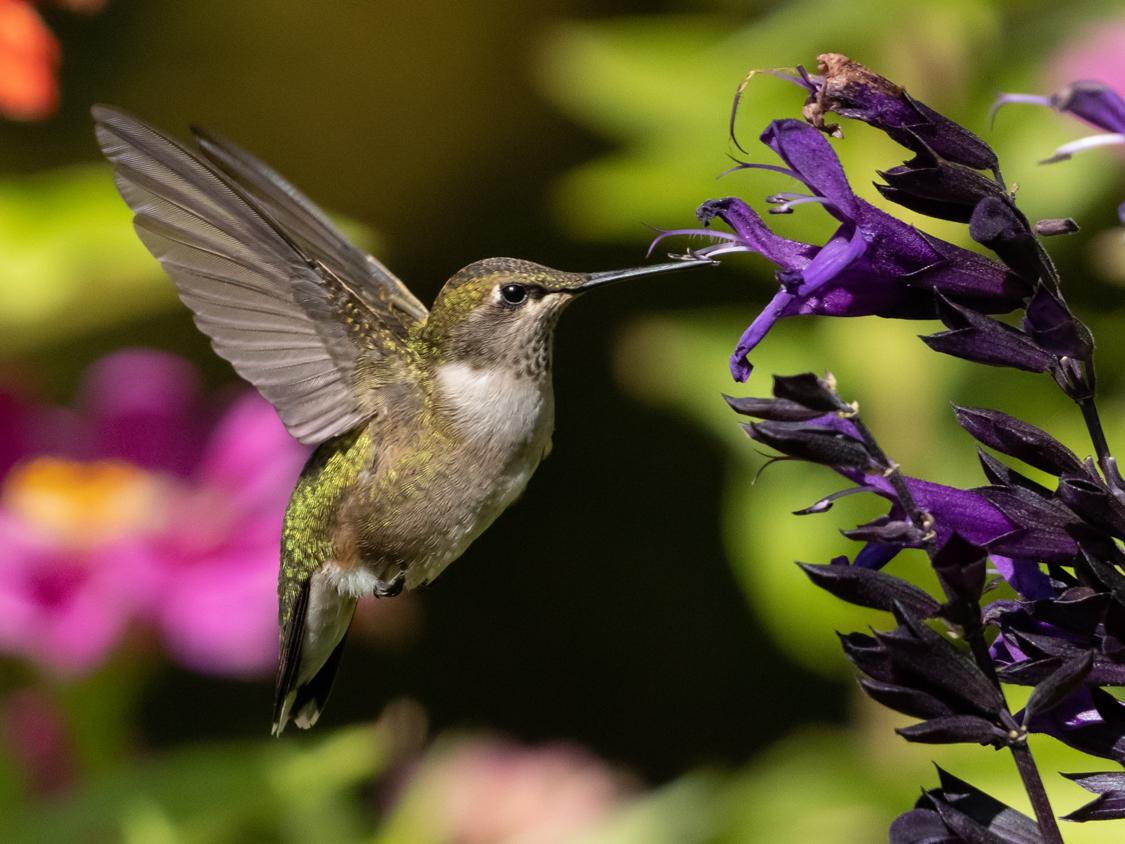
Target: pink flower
<point>132,512</point>
<point>490,791</point>
<point>1094,53</point>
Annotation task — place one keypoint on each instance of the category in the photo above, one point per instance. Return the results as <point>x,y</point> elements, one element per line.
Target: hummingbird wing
<point>269,279</point>
<point>308,225</point>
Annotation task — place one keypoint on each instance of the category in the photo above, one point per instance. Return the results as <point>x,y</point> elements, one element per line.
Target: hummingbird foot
<point>392,587</point>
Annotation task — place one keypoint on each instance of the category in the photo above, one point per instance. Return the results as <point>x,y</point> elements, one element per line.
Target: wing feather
<point>308,225</point>
<point>276,287</point>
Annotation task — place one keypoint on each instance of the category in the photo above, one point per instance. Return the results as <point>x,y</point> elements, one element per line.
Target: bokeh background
<point>629,655</point>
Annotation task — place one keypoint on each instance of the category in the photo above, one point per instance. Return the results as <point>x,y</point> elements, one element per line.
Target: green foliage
<point>291,791</point>
<point>72,263</point>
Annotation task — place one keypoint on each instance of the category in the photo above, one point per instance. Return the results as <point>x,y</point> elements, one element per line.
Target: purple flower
<point>873,264</point>
<point>1094,102</point>
<point>1015,541</point>
<point>131,513</point>
<point>851,90</point>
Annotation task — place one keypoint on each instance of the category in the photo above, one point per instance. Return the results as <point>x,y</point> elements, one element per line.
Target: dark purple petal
<point>1058,686</point>
<point>959,802</point>
<point>1049,322</point>
<point>814,443</point>
<point>1044,525</point>
<point>810,391</point>
<point>782,304</point>
<point>963,276</point>
<point>1024,575</point>
<point>1089,497</point>
<point>938,188</point>
<point>998,224</point>
<point>1000,474</point>
<point>843,250</point>
<point>1107,807</point>
<point>874,555</point>
<point>812,158</point>
<point>954,729</point>
<point>888,530</point>
<point>1018,439</point>
<point>870,588</point>
<point>779,410</point>
<point>1090,720</point>
<point>965,511</point>
<point>921,826</point>
<point>976,337</point>
<point>1093,102</point>
<point>903,699</point>
<point>960,566</point>
<point>851,90</point>
<point>1100,573</point>
<point>918,652</point>
<point>753,232</point>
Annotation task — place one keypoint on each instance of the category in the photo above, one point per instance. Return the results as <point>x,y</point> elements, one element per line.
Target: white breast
<point>496,405</point>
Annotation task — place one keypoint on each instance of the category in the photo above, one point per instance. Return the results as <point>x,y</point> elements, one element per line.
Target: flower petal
<point>780,305</point>
<point>755,234</point>
<point>808,154</point>
<point>1093,102</point>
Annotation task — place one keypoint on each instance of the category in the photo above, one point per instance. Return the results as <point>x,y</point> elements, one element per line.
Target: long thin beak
<point>598,279</point>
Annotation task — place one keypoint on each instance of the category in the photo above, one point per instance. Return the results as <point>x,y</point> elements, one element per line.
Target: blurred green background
<point>629,655</point>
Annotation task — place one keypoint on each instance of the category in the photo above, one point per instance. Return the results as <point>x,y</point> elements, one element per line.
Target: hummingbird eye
<point>514,294</point>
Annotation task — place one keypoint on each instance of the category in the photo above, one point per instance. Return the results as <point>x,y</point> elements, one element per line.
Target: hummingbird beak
<point>598,279</point>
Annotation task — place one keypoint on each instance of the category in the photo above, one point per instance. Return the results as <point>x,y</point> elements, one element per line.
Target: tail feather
<point>309,699</point>
<point>311,647</point>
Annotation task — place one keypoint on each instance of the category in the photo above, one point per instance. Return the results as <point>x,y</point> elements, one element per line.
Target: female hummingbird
<point>426,424</point>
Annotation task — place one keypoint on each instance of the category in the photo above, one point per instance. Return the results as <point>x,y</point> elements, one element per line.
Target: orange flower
<point>29,58</point>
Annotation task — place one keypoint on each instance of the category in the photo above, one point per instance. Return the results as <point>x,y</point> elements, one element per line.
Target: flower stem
<point>1033,785</point>
<point>1106,460</point>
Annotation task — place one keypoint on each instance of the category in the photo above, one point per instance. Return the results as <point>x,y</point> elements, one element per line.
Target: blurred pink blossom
<point>490,791</point>
<point>134,511</point>
<point>1095,52</point>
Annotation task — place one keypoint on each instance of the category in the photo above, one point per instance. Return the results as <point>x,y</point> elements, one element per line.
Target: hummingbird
<point>425,424</point>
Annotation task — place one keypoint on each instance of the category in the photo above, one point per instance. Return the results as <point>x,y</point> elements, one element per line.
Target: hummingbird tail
<point>312,645</point>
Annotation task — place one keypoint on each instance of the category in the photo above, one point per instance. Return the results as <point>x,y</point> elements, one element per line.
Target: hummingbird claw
<point>392,587</point>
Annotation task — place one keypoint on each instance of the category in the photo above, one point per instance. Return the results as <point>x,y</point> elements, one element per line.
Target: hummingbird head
<point>503,311</point>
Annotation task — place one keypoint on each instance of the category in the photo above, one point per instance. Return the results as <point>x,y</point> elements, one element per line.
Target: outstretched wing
<point>310,227</point>
<point>282,295</point>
